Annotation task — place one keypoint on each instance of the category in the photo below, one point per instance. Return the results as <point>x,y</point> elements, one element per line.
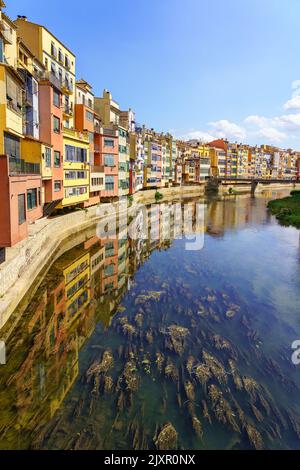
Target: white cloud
<point>257,129</point>
<point>198,135</point>
<point>293,104</point>
<point>228,129</point>
<point>271,134</point>
<point>296,86</point>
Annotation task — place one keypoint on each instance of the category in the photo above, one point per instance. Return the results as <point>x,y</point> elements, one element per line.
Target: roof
<point>46,29</point>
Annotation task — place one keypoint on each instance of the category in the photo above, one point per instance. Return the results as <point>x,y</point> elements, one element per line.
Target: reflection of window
<point>72,274</point>
<point>109,249</point>
<point>21,208</point>
<point>31,199</point>
<point>78,285</point>
<point>109,270</point>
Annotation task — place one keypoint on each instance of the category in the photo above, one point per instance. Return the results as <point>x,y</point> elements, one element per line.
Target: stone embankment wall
<point>47,240</point>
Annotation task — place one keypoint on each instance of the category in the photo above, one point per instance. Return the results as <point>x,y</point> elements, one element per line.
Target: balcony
<point>28,98</point>
<point>13,106</point>
<point>18,166</point>
<point>97,169</point>
<point>53,79</point>
<point>6,33</point>
<point>66,87</point>
<point>74,134</point>
<point>68,110</point>
<point>97,128</point>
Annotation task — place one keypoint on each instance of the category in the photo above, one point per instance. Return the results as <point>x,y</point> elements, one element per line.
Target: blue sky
<point>198,68</point>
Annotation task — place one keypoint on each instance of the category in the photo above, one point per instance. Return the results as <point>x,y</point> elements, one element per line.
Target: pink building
<point>106,154</point>
<point>20,195</point>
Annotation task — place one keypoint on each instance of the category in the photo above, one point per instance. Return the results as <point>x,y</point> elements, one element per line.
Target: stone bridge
<point>213,183</point>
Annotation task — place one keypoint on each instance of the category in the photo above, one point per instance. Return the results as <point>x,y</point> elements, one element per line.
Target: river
<point>125,338</point>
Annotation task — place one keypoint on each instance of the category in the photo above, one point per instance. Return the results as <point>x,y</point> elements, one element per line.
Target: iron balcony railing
<point>18,166</point>
<point>53,79</point>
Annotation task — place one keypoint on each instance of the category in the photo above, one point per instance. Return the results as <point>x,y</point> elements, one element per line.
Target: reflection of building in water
<point>236,213</point>
<point>84,286</point>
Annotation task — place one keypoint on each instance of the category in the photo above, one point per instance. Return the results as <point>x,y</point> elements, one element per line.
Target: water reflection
<point>187,350</point>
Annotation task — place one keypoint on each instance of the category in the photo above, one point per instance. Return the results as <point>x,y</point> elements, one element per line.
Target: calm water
<point>142,344</point>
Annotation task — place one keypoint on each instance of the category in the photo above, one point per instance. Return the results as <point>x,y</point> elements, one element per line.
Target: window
<point>47,157</point>
<point>56,98</point>
<point>1,50</point>
<point>12,146</point>
<point>75,154</point>
<point>67,62</point>
<point>109,160</point>
<point>61,57</point>
<point>123,166</point>
<point>21,208</point>
<point>122,133</point>
<point>56,125</point>
<point>31,199</point>
<point>53,50</point>
<point>75,174</point>
<point>53,68</point>
<point>91,137</point>
<point>57,186</point>
<point>97,181</point>
<point>109,183</point>
<point>122,149</point>
<point>56,159</point>
<point>75,191</point>
<point>90,103</point>
<point>89,116</point>
<point>13,94</point>
<point>108,142</point>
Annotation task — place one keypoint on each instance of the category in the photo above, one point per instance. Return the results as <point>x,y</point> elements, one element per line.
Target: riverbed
<point>125,339</point>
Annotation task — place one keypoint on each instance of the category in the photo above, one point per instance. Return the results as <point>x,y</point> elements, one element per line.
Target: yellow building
<point>11,88</point>
<point>58,60</point>
<point>242,161</point>
<point>76,171</point>
<point>60,66</point>
<point>218,162</point>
